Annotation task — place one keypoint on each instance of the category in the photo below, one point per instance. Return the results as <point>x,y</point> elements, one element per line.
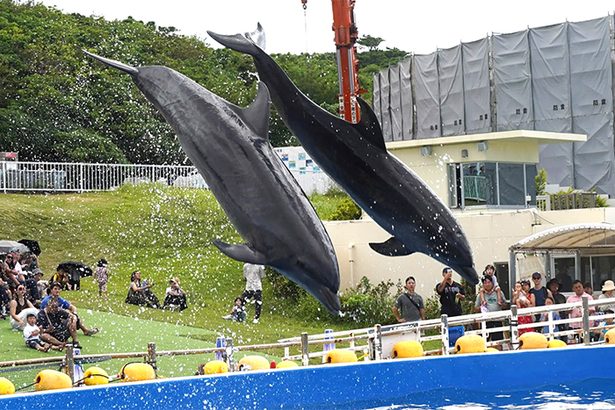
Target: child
<point>490,271</point>
<point>102,277</point>
<point>238,312</point>
<point>31,334</point>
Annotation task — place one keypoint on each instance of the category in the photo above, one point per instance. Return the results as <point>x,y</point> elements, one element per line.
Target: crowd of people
<point>410,306</point>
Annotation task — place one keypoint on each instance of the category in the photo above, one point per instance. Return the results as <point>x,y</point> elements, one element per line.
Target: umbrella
<point>6,246</point>
<point>33,245</point>
<point>75,269</point>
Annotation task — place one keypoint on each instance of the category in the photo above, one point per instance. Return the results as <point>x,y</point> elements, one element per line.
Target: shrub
<point>346,210</point>
<point>367,305</point>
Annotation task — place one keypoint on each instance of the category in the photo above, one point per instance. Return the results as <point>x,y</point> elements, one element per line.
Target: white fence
<point>18,176</point>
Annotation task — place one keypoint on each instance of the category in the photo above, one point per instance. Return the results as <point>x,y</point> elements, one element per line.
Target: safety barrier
<point>374,342</point>
<point>19,176</point>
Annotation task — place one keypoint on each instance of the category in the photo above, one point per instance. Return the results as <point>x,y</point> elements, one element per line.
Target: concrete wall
<point>490,233</point>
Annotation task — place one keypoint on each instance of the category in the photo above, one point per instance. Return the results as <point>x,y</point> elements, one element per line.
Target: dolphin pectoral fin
<point>256,115</point>
<point>392,247</point>
<point>369,127</point>
<point>241,253</point>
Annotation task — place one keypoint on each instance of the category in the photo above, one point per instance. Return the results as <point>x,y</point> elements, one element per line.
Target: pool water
<point>588,394</point>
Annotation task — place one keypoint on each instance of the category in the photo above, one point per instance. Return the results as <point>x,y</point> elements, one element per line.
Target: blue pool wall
<point>337,385</point>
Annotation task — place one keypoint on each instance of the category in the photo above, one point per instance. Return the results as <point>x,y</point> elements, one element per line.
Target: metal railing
<point>19,176</point>
<point>375,342</point>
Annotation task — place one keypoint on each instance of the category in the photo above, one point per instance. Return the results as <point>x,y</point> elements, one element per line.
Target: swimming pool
<point>494,379</point>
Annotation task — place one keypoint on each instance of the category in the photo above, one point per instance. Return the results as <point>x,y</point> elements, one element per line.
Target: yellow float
<point>135,372</point>
<point>253,362</point>
<point>470,344</point>
<point>51,380</point>
<point>556,343</point>
<point>95,375</point>
<point>6,386</point>
<point>491,350</point>
<point>215,367</point>
<point>407,348</point>
<point>533,340</point>
<point>286,364</point>
<point>609,337</point>
<point>341,356</point>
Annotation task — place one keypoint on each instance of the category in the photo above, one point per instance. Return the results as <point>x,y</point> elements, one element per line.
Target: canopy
<point>577,236</point>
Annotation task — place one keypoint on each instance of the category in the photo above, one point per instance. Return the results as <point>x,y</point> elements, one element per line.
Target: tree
<point>372,43</point>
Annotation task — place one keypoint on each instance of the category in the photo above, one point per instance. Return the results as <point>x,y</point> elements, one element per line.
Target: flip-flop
<point>92,331</point>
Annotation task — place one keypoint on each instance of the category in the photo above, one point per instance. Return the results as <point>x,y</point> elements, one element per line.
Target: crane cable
<point>305,27</point>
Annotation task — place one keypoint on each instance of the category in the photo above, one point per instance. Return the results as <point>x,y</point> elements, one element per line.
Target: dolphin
<point>355,156</point>
<point>229,146</point>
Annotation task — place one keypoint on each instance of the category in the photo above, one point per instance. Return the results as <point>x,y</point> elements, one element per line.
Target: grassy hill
<point>164,232</point>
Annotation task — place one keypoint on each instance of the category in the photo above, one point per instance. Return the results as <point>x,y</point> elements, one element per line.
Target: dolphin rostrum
<point>229,146</point>
<point>355,156</point>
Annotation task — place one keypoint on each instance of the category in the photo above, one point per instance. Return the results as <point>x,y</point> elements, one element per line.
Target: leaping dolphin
<point>229,146</point>
<point>355,156</point>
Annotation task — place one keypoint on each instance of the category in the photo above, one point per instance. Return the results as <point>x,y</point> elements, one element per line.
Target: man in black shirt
<point>56,325</point>
<point>451,294</point>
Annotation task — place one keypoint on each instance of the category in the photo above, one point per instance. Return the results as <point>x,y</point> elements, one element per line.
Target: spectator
<point>5,296</point>
<point>12,271</point>
<point>175,298</point>
<point>545,317</point>
<point>490,271</point>
<point>540,292</point>
<point>605,325</point>
<point>254,287</point>
<point>57,325</point>
<point>577,296</point>
<point>608,293</point>
<point>60,277</point>
<point>19,308</point>
<point>31,335</point>
<point>409,306</point>
<point>554,286</point>
<point>525,285</point>
<point>54,294</point>
<point>451,294</point>
<point>587,287</point>
<point>238,311</point>
<point>139,293</point>
<point>102,277</point>
<point>521,299</point>
<point>33,292</point>
<point>490,304</point>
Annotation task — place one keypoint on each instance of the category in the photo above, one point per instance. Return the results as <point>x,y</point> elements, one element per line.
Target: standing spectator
<point>608,292</point>
<point>33,292</point>
<point>140,293</point>
<point>577,296</point>
<point>54,295</point>
<point>254,287</point>
<point>521,299</point>
<point>31,335</point>
<point>409,306</point>
<point>19,308</point>
<point>490,271</point>
<point>175,298</point>
<point>57,325</point>
<point>540,292</point>
<point>490,304</point>
<point>587,287</point>
<point>102,277</point>
<point>451,294</point>
<point>554,286</point>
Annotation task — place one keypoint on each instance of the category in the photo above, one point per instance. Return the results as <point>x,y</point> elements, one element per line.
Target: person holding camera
<point>451,294</point>
<point>139,293</point>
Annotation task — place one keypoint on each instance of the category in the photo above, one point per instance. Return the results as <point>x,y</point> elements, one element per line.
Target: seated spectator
<point>31,334</point>
<point>587,287</point>
<point>60,277</point>
<point>139,293</point>
<point>522,299</point>
<point>238,311</point>
<point>12,270</point>
<point>608,292</point>
<point>57,325</point>
<point>604,325</point>
<point>545,317</point>
<point>33,291</point>
<point>54,294</point>
<point>175,298</point>
<point>19,308</point>
<point>5,297</point>
<point>577,296</point>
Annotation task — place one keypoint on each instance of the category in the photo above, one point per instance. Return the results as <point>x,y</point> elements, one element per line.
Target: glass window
<point>512,184</point>
<point>586,270</point>
<point>603,268</point>
<point>479,183</point>
<point>564,272</point>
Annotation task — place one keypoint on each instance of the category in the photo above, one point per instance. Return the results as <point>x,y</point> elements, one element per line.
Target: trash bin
<point>454,333</point>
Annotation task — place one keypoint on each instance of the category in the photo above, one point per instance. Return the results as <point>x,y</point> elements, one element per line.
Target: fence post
<point>305,355</point>
<point>4,176</point>
<point>377,355</point>
<point>445,334</point>
<point>70,362</point>
<point>151,356</point>
<point>230,362</point>
<point>514,327</point>
<point>80,178</point>
<point>586,338</point>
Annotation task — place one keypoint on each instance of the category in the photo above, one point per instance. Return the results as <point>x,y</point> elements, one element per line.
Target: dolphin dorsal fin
<point>256,115</point>
<point>369,127</point>
<point>242,253</point>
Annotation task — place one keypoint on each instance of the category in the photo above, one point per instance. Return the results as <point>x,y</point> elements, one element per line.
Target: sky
<point>410,25</point>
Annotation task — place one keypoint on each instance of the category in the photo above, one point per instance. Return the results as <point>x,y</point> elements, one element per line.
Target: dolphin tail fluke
<point>392,247</point>
<point>258,36</point>
<point>112,63</point>
<point>241,253</point>
<point>237,42</point>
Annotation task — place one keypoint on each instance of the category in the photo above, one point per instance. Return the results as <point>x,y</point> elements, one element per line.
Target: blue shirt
<point>63,303</point>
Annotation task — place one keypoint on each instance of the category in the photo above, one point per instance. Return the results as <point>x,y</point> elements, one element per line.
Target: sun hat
<point>608,285</point>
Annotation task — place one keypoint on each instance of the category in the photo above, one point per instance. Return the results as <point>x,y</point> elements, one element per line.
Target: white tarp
<point>395,103</point>
<point>427,95</point>
<point>406,99</point>
<point>476,88</point>
<point>450,73</point>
